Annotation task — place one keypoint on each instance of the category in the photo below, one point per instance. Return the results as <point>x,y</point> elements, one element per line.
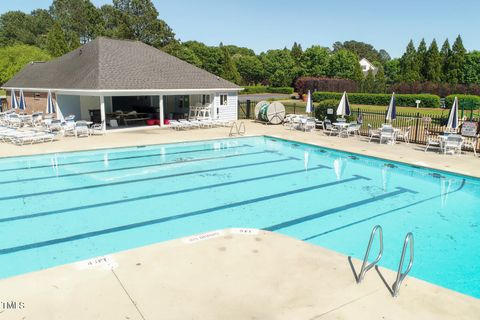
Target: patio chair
<point>68,128</point>
<point>329,129</point>
<point>387,134</point>
<point>432,141</point>
<point>81,129</point>
<point>373,133</point>
<point>472,143</point>
<point>97,128</point>
<point>405,135</point>
<point>353,128</point>
<point>453,144</point>
<point>309,125</point>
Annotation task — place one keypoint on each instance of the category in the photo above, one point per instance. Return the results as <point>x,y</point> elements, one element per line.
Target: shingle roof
<point>108,64</point>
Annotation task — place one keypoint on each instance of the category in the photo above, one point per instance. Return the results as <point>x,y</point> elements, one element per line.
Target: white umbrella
<point>392,109</point>
<point>308,107</point>
<point>384,178</point>
<point>445,186</point>
<point>453,116</point>
<point>13,99</point>
<point>22,105</point>
<point>343,108</point>
<point>50,105</point>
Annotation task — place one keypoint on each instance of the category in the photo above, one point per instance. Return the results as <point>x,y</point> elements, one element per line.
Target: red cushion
<point>150,122</point>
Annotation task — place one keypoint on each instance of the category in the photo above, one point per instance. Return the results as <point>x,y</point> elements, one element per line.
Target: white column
<point>102,114</point>
<point>161,110</point>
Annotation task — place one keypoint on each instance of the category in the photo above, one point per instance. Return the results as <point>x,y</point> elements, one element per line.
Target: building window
<point>223,99</point>
<point>36,96</point>
<point>205,99</point>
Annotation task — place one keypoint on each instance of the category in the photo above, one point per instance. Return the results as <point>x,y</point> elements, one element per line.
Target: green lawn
<point>300,107</point>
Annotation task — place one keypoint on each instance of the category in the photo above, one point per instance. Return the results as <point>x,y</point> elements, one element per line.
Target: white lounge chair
<point>81,129</point>
<point>404,135</point>
<point>453,143</point>
<point>432,141</point>
<point>329,129</point>
<point>387,134</point>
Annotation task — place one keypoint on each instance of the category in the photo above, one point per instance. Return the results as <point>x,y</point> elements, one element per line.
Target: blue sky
<point>267,24</point>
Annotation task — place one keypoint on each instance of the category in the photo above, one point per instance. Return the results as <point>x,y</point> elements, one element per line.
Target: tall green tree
<point>56,43</point>
<point>409,64</point>
<point>296,52</point>
<point>363,50</point>
<point>445,54</point>
<point>471,70</point>
<point>278,66</point>
<point>433,63</point>
<point>136,20</point>
<point>229,70</point>
<point>250,69</point>
<point>368,83</point>
<point>315,61</point>
<point>422,59</point>
<point>456,62</point>
<point>380,81</point>
<point>344,64</point>
<point>392,71</point>
<point>211,57</point>
<point>16,28</point>
<point>78,18</point>
<point>177,49</point>
<point>14,58</point>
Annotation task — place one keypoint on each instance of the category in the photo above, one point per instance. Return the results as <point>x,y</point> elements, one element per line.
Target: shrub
<point>440,89</point>
<point>265,89</point>
<point>321,109</point>
<point>254,89</point>
<point>466,101</point>
<point>380,99</point>
<point>285,90</point>
<point>303,84</point>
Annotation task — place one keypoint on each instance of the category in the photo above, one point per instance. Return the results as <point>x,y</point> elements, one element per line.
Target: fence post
<point>416,127</point>
<point>248,109</point>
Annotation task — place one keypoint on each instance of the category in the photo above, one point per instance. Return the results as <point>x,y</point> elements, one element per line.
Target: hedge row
<point>265,89</point>
<point>380,99</point>
<point>440,89</point>
<point>466,101</point>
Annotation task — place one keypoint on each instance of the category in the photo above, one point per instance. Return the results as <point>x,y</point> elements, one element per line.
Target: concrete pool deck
<point>231,275</point>
<point>226,274</point>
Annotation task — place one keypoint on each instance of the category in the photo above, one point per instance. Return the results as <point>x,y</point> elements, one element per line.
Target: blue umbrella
<point>22,104</point>
<point>50,106</point>
<point>13,100</point>
<point>453,116</point>
<point>392,109</point>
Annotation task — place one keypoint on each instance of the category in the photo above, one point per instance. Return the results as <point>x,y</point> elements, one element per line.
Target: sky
<point>274,24</point>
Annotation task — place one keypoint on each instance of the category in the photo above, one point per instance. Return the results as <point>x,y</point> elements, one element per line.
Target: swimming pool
<point>66,207</point>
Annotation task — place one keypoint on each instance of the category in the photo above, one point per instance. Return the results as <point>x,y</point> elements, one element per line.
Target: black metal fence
<point>419,123</point>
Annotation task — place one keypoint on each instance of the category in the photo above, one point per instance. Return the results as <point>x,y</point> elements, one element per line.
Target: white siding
<point>88,103</point>
<point>228,112</point>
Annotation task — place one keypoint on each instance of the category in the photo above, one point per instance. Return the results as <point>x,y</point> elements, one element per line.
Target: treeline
<point>44,34</point>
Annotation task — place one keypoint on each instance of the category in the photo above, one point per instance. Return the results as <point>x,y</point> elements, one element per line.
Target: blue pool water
<point>61,208</point>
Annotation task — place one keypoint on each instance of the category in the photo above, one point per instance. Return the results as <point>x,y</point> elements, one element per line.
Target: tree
<point>78,18</point>
<point>137,20</point>
<point>471,70</point>
<point>14,58</point>
<point>445,54</point>
<point>56,43</point>
<point>392,71</point>
<point>175,48</point>
<point>211,57</point>
<point>315,61</point>
<point>368,84</point>
<point>344,64</point>
<point>384,56</point>
<point>278,66</point>
<point>296,52</point>
<point>409,64</point>
<point>380,81</point>
<point>456,62</point>
<point>229,70</point>
<point>362,49</point>
<point>250,69</point>
<point>16,28</point>
<point>433,63</point>
<point>422,59</point>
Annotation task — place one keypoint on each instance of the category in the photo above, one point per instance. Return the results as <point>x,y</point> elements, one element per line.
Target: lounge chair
<point>432,141</point>
<point>97,128</point>
<point>329,129</point>
<point>453,143</point>
<point>353,128</point>
<point>81,129</point>
<point>405,135</point>
<point>387,134</point>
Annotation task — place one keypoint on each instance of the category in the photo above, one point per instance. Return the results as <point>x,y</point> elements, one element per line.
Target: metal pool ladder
<point>377,229</point>
<point>237,129</point>
<point>401,275</point>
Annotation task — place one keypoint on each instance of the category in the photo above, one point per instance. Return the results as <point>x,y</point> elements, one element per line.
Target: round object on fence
<point>258,106</point>
<point>273,113</point>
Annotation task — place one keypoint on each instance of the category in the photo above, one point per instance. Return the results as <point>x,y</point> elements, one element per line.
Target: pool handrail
<point>365,268</point>
<point>401,275</point>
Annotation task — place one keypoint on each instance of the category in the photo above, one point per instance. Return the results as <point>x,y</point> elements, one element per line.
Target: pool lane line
<point>161,194</point>
<point>109,184</point>
<point>123,158</point>
<point>175,217</point>
<point>382,214</point>
<point>320,214</point>
<point>136,167</point>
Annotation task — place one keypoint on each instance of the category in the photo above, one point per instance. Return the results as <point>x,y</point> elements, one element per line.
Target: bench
<point>127,120</point>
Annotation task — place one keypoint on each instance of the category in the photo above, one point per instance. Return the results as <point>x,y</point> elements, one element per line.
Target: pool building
<point>123,83</point>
